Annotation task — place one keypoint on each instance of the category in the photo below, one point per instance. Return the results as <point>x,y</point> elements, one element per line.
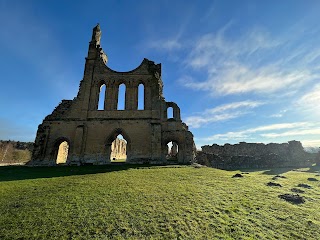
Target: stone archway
<point>115,156</point>
<point>172,152</point>
<point>61,151</point>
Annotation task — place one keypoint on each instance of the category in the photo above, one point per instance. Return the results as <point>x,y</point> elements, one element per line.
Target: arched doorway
<point>118,151</point>
<point>172,151</point>
<point>61,152</point>
<point>118,146</point>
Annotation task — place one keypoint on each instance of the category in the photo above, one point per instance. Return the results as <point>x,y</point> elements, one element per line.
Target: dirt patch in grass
<point>272,184</point>
<point>292,198</point>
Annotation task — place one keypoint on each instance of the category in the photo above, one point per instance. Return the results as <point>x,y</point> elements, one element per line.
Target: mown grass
<point>116,202</point>
<point>119,160</point>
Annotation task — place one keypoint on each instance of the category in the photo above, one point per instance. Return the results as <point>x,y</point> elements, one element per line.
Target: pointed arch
<point>174,152</point>
<point>110,139</point>
<point>61,150</point>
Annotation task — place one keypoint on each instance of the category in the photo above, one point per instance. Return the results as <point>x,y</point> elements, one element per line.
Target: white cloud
<point>279,114</point>
<point>299,132</point>
<point>166,44</point>
<point>222,113</point>
<point>250,64</point>
<point>311,143</point>
<point>311,100</point>
<point>234,105</point>
<point>280,126</point>
<point>250,133</point>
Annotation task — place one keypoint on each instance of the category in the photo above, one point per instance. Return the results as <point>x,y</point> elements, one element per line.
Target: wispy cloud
<point>165,44</point>
<point>310,101</point>
<point>311,143</point>
<point>314,131</point>
<point>249,64</point>
<point>222,113</point>
<point>279,114</point>
<point>250,133</point>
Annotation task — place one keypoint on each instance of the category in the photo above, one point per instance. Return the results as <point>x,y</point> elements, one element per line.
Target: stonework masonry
<point>255,155</point>
<point>90,132</point>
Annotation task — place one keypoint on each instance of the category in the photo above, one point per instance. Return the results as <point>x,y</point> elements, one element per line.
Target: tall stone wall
<point>90,129</point>
<point>255,155</point>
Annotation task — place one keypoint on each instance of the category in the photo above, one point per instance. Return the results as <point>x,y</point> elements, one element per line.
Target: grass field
<point>140,202</point>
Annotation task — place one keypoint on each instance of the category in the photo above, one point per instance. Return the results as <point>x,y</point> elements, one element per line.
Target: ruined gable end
<point>107,121</point>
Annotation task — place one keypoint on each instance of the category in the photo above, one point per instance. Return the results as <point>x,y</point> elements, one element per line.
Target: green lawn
<point>139,202</point>
<point>118,160</point>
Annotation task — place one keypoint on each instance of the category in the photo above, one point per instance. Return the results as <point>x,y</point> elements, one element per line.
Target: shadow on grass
<point>315,169</point>
<point>13,173</point>
<point>268,171</point>
<point>280,170</point>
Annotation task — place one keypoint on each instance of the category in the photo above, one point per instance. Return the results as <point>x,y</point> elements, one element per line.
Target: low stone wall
<point>255,155</point>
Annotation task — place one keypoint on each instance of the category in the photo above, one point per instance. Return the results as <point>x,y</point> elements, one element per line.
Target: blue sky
<point>239,70</point>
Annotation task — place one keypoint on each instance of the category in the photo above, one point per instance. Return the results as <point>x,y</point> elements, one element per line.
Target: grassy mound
<point>115,202</point>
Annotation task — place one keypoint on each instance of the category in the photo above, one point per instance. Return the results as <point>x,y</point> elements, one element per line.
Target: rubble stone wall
<point>255,155</point>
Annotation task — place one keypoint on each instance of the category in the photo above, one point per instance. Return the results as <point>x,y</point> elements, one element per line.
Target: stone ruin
<point>255,155</point>
<point>89,133</point>
<point>118,150</point>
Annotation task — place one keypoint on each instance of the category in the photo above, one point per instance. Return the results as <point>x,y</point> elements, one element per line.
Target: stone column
<point>156,142</point>
<point>112,96</point>
<point>147,98</point>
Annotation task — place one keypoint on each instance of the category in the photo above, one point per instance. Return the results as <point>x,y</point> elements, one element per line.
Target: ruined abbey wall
<point>255,155</point>
<point>90,131</point>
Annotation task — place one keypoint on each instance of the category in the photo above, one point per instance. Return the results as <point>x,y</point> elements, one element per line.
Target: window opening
<point>102,97</point>
<point>122,97</point>
<point>170,112</point>
<point>141,97</point>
